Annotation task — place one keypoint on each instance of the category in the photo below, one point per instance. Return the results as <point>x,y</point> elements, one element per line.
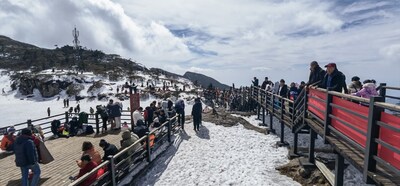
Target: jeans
<point>25,174</point>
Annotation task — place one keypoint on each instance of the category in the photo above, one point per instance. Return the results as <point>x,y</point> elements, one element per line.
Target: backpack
<point>89,129</point>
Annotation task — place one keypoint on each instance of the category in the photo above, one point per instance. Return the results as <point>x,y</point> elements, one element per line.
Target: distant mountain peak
<point>203,80</point>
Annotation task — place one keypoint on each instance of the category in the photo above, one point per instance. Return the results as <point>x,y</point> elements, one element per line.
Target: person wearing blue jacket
<point>26,157</point>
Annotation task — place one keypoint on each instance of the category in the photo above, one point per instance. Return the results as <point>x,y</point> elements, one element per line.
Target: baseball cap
<point>331,65</point>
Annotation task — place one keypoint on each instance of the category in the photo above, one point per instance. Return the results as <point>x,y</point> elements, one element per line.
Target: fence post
<point>328,119</point>
<point>371,148</point>
<point>182,123</point>
<point>282,140</point>
<point>271,115</point>
<point>311,158</point>
<point>96,116</point>
<point>148,147</point>
<point>382,91</point>
<point>305,107</point>
<point>112,162</point>
<point>339,170</point>
<point>66,117</point>
<point>28,122</point>
<point>169,130</point>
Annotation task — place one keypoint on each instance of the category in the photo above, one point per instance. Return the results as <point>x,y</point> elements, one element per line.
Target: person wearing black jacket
<point>255,82</point>
<point>334,80</point>
<point>283,89</point>
<point>109,149</point>
<point>265,83</point>
<point>316,74</point>
<point>26,157</point>
<point>197,114</point>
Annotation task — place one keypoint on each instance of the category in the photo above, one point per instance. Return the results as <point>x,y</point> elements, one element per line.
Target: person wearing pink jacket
<point>368,90</point>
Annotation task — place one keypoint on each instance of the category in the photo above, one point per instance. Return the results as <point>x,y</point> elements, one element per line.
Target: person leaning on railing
<point>87,164</point>
<point>334,80</point>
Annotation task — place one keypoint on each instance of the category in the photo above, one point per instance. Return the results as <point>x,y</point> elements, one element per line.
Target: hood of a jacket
<point>369,86</point>
<point>126,135</point>
<point>22,139</point>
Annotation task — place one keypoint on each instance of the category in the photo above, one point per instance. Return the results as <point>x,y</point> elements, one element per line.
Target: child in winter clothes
<point>368,90</point>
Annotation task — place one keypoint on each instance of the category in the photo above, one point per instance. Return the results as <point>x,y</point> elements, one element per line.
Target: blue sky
<point>230,40</point>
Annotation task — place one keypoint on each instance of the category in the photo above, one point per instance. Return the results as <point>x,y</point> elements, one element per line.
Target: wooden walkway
<point>65,152</point>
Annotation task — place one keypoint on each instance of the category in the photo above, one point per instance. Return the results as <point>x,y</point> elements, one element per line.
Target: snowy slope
<point>220,155</point>
<point>15,108</point>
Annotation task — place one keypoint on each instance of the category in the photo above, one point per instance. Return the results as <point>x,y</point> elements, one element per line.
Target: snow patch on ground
<point>220,155</point>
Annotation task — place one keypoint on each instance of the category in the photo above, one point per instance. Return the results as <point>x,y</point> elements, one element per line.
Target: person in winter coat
<point>197,114</point>
<point>137,115</point>
<point>104,117</point>
<point>7,143</point>
<point>26,157</point>
<point>368,90</point>
<point>128,139</point>
<point>48,111</point>
<point>87,165</point>
<point>316,74</point>
<point>88,149</point>
<point>355,85</point>
<point>110,113</point>
<point>116,109</point>
<point>283,89</point>
<point>91,110</point>
<point>265,84</point>
<point>293,91</point>
<point>334,80</point>
<point>109,149</point>
<point>255,82</point>
<point>74,125</point>
<point>180,109</point>
<point>141,129</point>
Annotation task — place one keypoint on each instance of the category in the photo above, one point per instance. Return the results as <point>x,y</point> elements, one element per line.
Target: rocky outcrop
<point>95,88</point>
<point>47,87</point>
<point>74,89</point>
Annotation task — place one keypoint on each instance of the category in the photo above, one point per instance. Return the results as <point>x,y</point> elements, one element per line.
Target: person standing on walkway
<point>196,113</point>
<point>316,74</point>
<point>26,157</point>
<point>334,80</point>
<point>48,111</point>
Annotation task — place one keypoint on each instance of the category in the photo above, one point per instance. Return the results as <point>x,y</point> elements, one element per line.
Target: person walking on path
<point>26,157</point>
<point>91,110</point>
<point>48,111</point>
<point>196,113</point>
<point>67,102</point>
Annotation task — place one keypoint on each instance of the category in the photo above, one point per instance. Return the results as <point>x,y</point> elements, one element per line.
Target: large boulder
<point>74,89</point>
<point>95,88</point>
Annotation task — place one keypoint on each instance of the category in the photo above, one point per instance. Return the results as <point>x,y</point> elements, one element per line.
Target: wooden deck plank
<point>65,152</point>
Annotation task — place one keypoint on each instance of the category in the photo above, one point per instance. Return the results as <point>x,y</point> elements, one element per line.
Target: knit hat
<point>11,129</point>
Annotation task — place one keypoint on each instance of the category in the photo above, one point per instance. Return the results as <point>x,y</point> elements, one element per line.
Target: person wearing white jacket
<point>137,115</point>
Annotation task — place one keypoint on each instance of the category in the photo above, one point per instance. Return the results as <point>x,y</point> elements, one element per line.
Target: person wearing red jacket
<point>87,166</point>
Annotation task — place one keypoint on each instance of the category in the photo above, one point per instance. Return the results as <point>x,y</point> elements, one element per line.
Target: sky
<point>229,40</point>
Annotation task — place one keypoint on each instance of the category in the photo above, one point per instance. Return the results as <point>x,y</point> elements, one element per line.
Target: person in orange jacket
<point>88,149</point>
<point>7,143</point>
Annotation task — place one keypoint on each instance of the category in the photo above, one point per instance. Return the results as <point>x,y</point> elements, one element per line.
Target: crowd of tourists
<point>331,79</point>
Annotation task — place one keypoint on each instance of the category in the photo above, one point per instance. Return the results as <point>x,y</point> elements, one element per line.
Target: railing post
<point>382,91</point>
<point>66,117</point>
<point>305,106</point>
<point>28,122</point>
<point>112,162</point>
<point>271,115</point>
<point>96,116</point>
<point>169,131</point>
<point>148,147</point>
<point>371,148</point>
<point>328,119</point>
<point>311,157</point>
<point>339,170</point>
<point>281,121</point>
<point>182,123</point>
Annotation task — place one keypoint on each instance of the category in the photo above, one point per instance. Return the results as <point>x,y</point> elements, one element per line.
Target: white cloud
<point>229,40</point>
